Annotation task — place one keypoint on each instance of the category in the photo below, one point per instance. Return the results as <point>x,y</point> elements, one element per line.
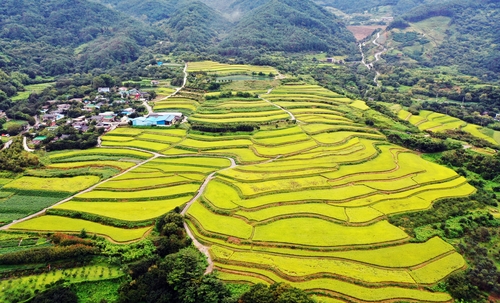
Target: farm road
<point>378,56</point>
<point>25,146</point>
<point>202,248</point>
<point>150,109</point>
<point>7,144</point>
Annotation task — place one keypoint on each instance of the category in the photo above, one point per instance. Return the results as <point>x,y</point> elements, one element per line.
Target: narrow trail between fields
<point>292,117</point>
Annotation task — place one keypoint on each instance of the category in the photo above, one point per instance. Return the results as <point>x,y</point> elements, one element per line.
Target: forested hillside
<point>291,26</point>
<point>472,40</point>
<point>195,27</point>
<point>146,10</point>
<point>42,37</point>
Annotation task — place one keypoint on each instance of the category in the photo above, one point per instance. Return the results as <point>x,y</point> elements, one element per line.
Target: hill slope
<point>146,10</point>
<point>195,26</point>
<point>469,39</point>
<point>291,26</point>
<point>42,36</point>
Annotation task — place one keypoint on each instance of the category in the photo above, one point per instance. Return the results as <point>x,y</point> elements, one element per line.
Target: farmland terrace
<point>305,203</point>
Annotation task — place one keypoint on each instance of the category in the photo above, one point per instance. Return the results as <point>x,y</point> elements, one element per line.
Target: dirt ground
<point>363,31</point>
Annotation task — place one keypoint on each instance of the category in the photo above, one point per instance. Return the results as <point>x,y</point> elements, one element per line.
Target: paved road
<point>7,144</point>
<point>378,56</point>
<point>183,82</point>
<point>202,248</point>
<point>25,146</point>
<point>150,109</point>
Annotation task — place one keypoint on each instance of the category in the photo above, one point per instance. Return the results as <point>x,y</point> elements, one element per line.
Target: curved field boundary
<point>335,255</point>
<point>124,236</point>
<point>318,275</point>
<point>348,291</point>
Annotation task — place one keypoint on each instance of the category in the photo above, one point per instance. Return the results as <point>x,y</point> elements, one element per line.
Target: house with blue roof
<point>157,120</point>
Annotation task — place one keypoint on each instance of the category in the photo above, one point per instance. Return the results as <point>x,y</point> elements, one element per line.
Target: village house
<point>106,126</point>
<point>107,117</point>
<point>80,124</point>
<point>155,83</point>
<point>38,140</point>
<point>121,101</point>
<point>497,117</point>
<point>158,119</point>
<point>97,119</point>
<point>103,90</point>
<point>52,117</point>
<point>61,108</point>
<point>128,111</point>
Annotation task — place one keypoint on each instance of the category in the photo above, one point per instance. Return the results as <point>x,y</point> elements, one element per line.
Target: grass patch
<point>67,185</point>
<point>56,223</point>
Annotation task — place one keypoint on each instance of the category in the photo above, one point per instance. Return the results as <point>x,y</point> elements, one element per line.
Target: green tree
<point>98,82</point>
<point>59,294</point>
<point>276,293</point>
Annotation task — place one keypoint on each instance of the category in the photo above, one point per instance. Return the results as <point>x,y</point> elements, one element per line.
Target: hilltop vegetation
<point>195,27</point>
<point>290,26</point>
<point>50,37</point>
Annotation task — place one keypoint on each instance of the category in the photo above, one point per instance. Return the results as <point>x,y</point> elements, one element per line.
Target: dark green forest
<point>291,26</point>
<point>60,36</point>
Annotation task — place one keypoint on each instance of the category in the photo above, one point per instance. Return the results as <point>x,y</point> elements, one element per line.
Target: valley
<point>249,151</point>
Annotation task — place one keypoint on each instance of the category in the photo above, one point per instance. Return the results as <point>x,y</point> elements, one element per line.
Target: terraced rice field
<point>155,140</point>
<point>228,69</point>
<point>305,204</point>
<point>314,214</point>
<point>29,194</point>
<point>436,122</point>
<point>228,111</point>
<point>137,197</point>
<point>69,185</point>
<point>176,104</point>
